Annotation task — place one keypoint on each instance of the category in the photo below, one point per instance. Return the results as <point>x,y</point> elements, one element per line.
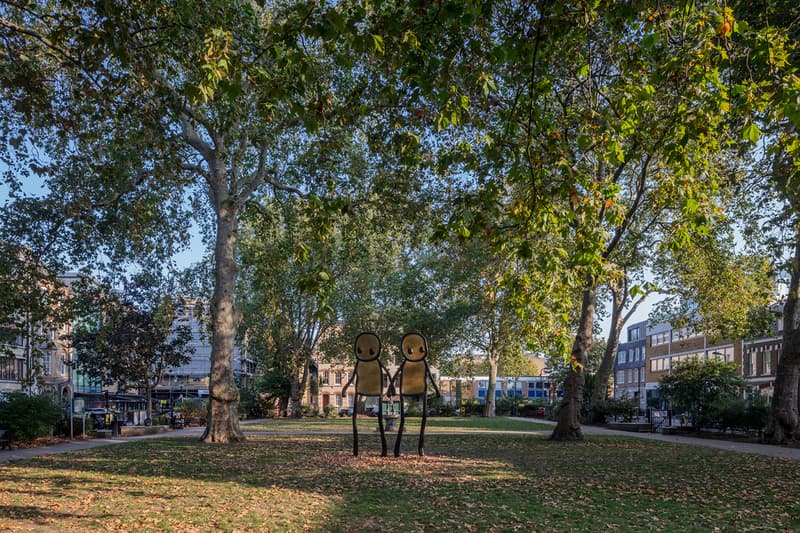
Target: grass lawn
<point>366,424</point>
<point>495,480</point>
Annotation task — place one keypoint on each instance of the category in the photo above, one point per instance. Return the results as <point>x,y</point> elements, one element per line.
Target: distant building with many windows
<point>652,351</point>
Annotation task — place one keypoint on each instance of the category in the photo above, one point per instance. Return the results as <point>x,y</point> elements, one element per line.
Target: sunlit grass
<point>368,423</point>
<point>479,481</point>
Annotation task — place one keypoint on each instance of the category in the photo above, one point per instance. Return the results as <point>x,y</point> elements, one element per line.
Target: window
<point>620,377</point>
<point>633,334</point>
<point>768,362</point>
<point>10,369</point>
<point>325,377</point>
<point>683,333</point>
<point>659,338</point>
<point>46,361</point>
<point>659,365</point>
<point>337,378</point>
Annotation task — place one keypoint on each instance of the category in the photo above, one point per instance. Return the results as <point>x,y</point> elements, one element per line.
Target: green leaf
<point>649,40</point>
<point>751,133</point>
<point>377,43</point>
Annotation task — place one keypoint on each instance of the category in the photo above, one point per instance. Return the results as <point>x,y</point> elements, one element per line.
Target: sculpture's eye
<point>358,350</point>
<point>410,350</point>
<point>371,351</point>
<point>421,349</point>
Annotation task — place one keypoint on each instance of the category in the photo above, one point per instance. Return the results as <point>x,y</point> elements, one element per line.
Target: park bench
<point>5,438</point>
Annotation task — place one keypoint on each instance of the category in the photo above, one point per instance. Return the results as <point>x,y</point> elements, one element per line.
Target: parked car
<point>346,411</point>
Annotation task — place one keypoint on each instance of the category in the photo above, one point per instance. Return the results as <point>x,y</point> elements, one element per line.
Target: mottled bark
<point>490,409</point>
<point>223,420</point>
<point>618,299</point>
<point>298,388</point>
<point>568,427</point>
<point>783,424</point>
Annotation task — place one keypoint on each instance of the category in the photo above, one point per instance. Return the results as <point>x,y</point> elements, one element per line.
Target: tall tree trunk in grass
<point>223,421</point>
<point>783,424</point>
<point>568,427</point>
<point>490,408</point>
<point>298,389</point>
<point>619,299</point>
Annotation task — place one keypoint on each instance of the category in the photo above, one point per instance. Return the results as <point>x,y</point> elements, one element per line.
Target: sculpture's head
<point>414,347</point>
<point>367,347</point>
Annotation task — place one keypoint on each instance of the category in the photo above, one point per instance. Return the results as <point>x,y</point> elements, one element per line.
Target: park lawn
<point>467,482</point>
<point>370,423</point>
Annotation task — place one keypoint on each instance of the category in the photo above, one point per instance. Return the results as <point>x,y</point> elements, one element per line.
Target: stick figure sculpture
<point>414,375</point>
<point>368,375</point>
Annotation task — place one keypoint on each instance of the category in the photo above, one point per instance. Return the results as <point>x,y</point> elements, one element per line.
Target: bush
<point>447,410</point>
<point>435,406</point>
<point>29,417</point>
<point>617,407</point>
<point>414,409</point>
<point>757,413</point>
<point>62,427</point>
<point>702,387</point>
<point>504,406</point>
<point>194,409</point>
<point>331,411</point>
<point>739,414</point>
<point>532,408</point>
<point>552,414</point>
<point>307,411</point>
<point>473,408</point>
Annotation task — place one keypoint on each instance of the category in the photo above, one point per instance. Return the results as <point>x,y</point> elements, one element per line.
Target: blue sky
<point>194,253</point>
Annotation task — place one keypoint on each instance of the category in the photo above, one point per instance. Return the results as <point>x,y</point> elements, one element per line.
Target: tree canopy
<point>562,135</point>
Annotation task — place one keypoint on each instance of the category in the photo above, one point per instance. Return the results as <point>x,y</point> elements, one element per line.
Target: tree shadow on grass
<point>314,483</point>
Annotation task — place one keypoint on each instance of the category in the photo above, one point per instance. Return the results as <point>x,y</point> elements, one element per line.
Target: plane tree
<point>767,86</point>
<point>580,120</point>
<point>139,116</point>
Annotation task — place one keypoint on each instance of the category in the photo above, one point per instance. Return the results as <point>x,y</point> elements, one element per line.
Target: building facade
<point>191,380</point>
<point>629,365</point>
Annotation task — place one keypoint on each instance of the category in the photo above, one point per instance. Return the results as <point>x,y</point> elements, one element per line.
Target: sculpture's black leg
<point>420,448</point>
<point>355,429</point>
<point>380,426</point>
<point>400,429</point>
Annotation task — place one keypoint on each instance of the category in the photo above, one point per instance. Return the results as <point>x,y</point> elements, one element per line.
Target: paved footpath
<point>731,446</point>
<point>739,447</point>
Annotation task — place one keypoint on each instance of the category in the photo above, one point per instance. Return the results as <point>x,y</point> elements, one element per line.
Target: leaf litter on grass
<point>483,482</point>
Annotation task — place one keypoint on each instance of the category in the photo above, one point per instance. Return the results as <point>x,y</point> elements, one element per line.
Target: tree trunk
<point>298,388</point>
<point>783,424</point>
<point>618,299</point>
<point>283,406</point>
<point>148,390</point>
<point>489,410</point>
<point>568,427</point>
<point>223,419</point>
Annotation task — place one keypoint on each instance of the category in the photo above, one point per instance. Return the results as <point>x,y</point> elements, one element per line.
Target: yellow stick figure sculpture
<point>414,375</point>
<point>368,375</point>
